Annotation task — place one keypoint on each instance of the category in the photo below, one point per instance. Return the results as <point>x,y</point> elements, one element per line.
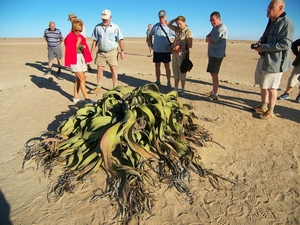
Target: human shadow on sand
<point>64,75</point>
<point>4,210</point>
<point>43,82</point>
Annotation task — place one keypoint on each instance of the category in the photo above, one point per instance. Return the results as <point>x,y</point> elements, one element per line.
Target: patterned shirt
<point>53,37</point>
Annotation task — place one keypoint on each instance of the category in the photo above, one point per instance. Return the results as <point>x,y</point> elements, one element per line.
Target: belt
<point>105,51</point>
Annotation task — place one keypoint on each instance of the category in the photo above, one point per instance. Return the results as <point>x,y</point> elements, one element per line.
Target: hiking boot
<point>298,99</point>
<point>284,96</point>
<point>213,97</point>
<point>48,72</point>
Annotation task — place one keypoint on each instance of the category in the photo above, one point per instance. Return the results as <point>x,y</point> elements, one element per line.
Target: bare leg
<point>168,71</point>
<point>76,87</point>
<point>176,83</point>
<point>215,81</point>
<point>157,71</point>
<point>114,75</point>
<point>99,75</point>
<point>182,84</point>
<point>82,79</point>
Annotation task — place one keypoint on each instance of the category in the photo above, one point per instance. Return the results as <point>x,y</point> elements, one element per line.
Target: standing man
<point>274,49</point>
<point>72,17</point>
<point>295,75</point>
<point>161,52</point>
<point>107,36</point>
<point>147,39</point>
<point>216,40</point>
<point>54,39</point>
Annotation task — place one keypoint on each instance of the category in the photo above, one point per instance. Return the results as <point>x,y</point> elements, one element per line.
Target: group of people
<point>106,36</point>
<point>158,40</point>
<point>274,49</point>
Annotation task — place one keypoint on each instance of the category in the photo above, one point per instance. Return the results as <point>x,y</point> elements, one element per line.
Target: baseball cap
<point>106,14</point>
<point>72,15</point>
<point>162,13</point>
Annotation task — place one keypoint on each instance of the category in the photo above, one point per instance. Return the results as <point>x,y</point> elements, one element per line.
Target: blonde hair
<point>181,18</point>
<point>77,25</point>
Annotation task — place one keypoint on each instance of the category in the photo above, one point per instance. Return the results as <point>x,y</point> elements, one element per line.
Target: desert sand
<point>262,156</point>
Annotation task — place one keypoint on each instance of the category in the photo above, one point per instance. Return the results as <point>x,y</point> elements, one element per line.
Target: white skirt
<point>80,66</point>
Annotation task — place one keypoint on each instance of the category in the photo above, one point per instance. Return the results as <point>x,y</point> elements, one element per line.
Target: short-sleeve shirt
<point>53,37</point>
<point>107,38</point>
<point>218,35</point>
<point>182,36</point>
<point>161,41</point>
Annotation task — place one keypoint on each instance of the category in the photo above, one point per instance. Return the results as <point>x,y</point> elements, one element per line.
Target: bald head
<point>275,9</point>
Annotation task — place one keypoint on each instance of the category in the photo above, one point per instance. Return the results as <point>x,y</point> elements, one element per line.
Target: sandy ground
<point>263,156</point>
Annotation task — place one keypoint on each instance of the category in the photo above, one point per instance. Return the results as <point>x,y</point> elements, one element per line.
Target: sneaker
<point>48,72</point>
<point>88,100</point>
<point>182,93</point>
<point>150,55</point>
<point>175,88</point>
<point>157,82</point>
<point>89,68</point>
<point>284,96</point>
<point>169,86</point>
<point>213,97</point>
<point>95,91</point>
<point>58,71</point>
<point>77,100</point>
<point>298,99</point>
<point>208,94</point>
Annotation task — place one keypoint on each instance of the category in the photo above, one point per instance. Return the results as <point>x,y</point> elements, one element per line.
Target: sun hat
<point>72,15</point>
<point>162,13</point>
<point>106,14</point>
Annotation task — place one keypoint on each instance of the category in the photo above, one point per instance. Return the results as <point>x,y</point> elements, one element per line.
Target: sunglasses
<point>78,31</point>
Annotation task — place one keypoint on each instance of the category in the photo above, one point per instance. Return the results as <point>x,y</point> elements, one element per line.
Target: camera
<point>254,46</point>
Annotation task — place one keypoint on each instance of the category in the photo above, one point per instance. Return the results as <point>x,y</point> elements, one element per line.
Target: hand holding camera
<point>254,46</point>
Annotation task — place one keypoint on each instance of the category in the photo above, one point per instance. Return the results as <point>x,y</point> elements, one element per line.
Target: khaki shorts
<point>110,58</point>
<point>80,66</point>
<point>271,80</point>
<point>294,77</point>
<point>258,72</point>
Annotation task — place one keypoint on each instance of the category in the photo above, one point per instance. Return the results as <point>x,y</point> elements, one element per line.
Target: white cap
<point>106,14</point>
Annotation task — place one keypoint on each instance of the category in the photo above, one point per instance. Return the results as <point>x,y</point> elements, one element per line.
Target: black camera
<point>254,46</point>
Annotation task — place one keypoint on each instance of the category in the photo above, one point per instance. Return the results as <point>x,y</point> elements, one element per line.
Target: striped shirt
<point>53,37</point>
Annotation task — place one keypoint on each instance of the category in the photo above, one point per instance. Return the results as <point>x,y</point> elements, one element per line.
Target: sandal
<point>267,115</point>
<point>258,109</point>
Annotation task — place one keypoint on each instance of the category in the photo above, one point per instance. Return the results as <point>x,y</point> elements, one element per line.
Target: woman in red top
<point>77,55</point>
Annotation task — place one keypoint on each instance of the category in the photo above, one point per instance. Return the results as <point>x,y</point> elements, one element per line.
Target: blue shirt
<point>161,41</point>
<point>107,38</point>
<point>218,35</point>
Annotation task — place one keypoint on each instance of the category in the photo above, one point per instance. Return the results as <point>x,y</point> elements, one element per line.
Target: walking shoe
<point>77,100</point>
<point>88,100</point>
<point>169,86</point>
<point>157,82</point>
<point>182,92</point>
<point>89,68</point>
<point>48,72</point>
<point>209,93</point>
<point>267,115</point>
<point>284,96</point>
<point>58,71</point>
<point>95,91</point>
<point>258,109</point>
<point>213,97</point>
<point>150,55</point>
<point>298,99</point>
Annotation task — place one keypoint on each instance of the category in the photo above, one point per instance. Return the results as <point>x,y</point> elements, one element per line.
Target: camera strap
<point>165,33</point>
